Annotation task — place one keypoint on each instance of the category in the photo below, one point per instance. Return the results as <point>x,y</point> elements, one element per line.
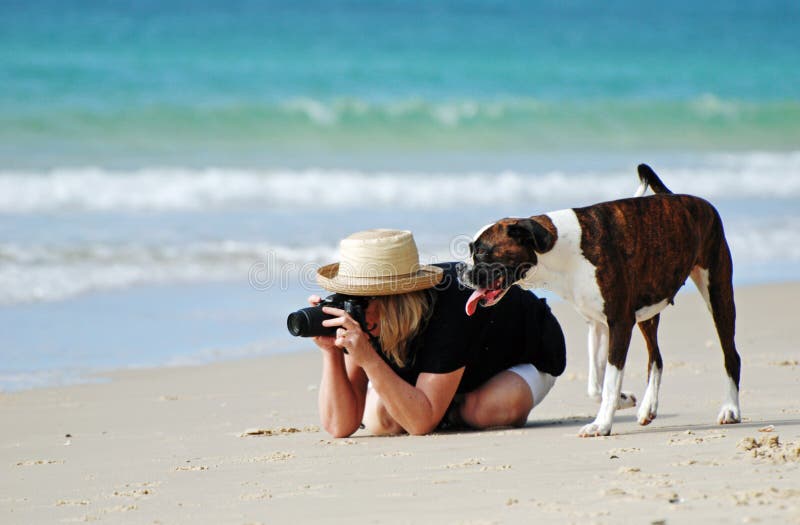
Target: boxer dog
<point>619,263</point>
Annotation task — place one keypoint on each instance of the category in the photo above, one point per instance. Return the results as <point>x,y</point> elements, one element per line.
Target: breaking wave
<point>734,176</point>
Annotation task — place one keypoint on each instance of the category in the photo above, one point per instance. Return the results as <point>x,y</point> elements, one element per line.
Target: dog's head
<point>502,254</point>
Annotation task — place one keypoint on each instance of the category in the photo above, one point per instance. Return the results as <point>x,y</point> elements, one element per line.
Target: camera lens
<point>297,323</point>
<point>308,323</point>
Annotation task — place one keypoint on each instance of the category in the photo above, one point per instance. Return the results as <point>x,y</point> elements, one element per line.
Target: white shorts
<point>540,383</point>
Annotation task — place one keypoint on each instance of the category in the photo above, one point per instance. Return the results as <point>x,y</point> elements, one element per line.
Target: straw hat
<point>378,262</point>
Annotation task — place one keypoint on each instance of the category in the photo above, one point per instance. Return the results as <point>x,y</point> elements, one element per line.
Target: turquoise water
<point>172,172</point>
<point>245,82</point>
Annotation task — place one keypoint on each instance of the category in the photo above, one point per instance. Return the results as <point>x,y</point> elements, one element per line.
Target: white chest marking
<point>565,271</point>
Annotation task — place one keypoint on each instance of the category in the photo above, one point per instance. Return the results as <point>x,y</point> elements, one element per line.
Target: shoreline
<point>166,445</point>
<point>66,377</point>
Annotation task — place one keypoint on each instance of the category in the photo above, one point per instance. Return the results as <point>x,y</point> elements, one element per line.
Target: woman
<point>421,358</point>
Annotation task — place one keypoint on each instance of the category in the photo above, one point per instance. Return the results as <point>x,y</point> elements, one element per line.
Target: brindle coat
<point>635,254</point>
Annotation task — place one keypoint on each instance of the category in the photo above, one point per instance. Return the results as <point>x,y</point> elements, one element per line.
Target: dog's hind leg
<point>649,406</point>
<point>717,289</point>
<point>619,339</point>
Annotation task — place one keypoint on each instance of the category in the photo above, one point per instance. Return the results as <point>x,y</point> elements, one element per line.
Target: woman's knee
<point>504,400</point>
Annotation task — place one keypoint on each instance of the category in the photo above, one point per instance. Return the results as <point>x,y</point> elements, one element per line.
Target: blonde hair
<point>401,316</point>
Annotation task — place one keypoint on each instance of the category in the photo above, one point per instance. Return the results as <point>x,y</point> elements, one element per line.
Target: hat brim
<point>426,277</point>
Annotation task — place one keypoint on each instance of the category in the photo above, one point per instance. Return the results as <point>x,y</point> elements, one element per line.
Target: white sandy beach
<point>168,446</point>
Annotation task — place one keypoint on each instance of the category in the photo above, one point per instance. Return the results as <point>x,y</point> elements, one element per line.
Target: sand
<point>239,442</point>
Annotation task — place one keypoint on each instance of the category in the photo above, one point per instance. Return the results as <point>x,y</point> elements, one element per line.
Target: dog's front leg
<point>598,355</point>
<point>619,339</point>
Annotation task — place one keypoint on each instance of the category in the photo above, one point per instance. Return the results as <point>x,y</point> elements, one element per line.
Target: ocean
<point>172,173</point>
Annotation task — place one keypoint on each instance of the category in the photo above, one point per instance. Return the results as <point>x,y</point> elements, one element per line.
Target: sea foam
<point>733,176</point>
<point>92,245</point>
<point>46,273</point>
<point>43,273</point>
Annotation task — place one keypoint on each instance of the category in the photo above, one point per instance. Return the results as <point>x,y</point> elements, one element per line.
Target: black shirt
<point>519,329</point>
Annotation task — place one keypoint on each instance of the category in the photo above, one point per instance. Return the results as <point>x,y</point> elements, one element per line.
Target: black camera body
<point>307,322</point>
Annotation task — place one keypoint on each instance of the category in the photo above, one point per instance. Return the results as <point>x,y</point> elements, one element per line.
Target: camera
<point>307,322</point>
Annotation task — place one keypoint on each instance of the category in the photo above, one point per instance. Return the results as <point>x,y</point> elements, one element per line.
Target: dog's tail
<point>648,178</point>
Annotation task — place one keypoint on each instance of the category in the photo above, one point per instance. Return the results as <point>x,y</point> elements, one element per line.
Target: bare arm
<point>417,408</point>
<point>342,392</point>
<point>342,389</point>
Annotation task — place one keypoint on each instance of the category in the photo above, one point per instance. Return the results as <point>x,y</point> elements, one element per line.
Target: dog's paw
<point>729,415</point>
<point>626,400</point>
<point>646,415</point>
<point>594,430</point>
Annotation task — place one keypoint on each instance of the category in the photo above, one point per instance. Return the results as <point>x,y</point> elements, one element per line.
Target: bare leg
<point>503,400</point>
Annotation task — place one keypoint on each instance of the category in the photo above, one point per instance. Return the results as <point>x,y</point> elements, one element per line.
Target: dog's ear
<point>530,233</point>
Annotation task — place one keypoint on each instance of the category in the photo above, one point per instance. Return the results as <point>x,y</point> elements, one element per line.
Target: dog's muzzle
<point>489,282</point>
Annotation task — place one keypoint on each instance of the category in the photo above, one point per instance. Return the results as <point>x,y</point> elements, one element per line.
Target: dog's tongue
<point>474,299</point>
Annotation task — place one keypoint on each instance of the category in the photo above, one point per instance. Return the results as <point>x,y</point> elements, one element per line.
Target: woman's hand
<point>326,343</point>
<point>350,336</point>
